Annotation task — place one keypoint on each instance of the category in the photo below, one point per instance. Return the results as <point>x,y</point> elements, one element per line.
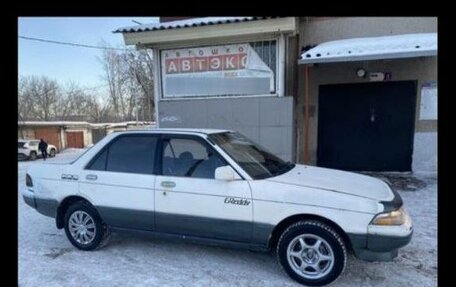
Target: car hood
<point>337,181</point>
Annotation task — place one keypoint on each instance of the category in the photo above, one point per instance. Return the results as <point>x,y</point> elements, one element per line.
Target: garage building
<point>354,93</point>
<point>73,134</point>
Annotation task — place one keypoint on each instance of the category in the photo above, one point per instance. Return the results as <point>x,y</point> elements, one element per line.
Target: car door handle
<point>168,184</point>
<point>91,177</point>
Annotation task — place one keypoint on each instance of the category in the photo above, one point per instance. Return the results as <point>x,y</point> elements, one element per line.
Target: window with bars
<point>268,53</point>
<point>220,70</point>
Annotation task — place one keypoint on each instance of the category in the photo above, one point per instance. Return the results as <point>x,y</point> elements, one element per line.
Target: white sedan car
<point>28,149</point>
<point>218,187</point>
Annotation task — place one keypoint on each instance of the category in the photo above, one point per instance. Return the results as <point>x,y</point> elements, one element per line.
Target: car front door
<point>120,180</point>
<point>190,201</point>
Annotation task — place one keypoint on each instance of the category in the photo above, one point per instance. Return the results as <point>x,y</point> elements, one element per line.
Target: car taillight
<point>28,180</point>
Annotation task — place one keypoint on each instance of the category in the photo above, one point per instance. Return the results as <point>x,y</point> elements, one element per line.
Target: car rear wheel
<point>52,153</point>
<point>84,227</point>
<point>33,155</point>
<point>312,253</point>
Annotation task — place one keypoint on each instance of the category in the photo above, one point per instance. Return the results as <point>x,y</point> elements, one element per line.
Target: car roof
<point>176,130</point>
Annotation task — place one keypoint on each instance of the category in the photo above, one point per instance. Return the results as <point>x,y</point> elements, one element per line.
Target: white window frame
<point>280,68</point>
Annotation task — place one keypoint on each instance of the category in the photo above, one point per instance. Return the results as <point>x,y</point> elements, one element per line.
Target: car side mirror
<point>225,173</point>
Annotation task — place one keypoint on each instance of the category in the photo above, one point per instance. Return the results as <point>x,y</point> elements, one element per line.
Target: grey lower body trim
<point>233,230</point>
<point>194,239</point>
<point>262,233</point>
<point>127,218</point>
<point>377,247</point>
<point>30,201</point>
<point>238,231</point>
<point>46,207</point>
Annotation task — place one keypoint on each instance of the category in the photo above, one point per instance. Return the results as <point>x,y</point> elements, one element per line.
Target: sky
<point>66,63</point>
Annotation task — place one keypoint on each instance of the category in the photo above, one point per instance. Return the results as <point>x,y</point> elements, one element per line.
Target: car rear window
<point>130,154</point>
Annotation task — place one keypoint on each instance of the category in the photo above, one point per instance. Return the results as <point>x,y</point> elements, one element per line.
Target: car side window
<point>130,154</point>
<point>189,158</point>
<point>100,162</point>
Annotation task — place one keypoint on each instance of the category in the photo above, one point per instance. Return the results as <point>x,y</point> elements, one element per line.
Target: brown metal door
<point>75,139</point>
<point>49,135</point>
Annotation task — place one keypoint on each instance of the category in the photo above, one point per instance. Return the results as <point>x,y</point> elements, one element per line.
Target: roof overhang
<point>205,32</point>
<point>52,123</point>
<point>79,124</point>
<point>372,48</point>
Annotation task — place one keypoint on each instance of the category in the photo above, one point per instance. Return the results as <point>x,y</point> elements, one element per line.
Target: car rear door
<point>120,180</point>
<point>190,201</point>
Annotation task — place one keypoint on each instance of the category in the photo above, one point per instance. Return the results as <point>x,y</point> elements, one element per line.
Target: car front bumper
<point>381,243</point>
<point>22,156</point>
<point>377,247</point>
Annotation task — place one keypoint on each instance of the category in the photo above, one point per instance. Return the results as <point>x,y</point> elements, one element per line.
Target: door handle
<point>91,177</point>
<point>168,184</point>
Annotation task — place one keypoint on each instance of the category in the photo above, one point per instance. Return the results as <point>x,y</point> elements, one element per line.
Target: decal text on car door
<point>238,201</point>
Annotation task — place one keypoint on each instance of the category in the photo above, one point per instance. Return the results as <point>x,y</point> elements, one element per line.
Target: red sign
<point>206,64</point>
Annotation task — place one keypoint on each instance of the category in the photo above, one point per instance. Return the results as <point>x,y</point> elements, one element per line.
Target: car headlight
<point>396,217</point>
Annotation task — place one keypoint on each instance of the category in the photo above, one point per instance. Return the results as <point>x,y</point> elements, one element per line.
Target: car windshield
<point>20,144</point>
<point>253,158</point>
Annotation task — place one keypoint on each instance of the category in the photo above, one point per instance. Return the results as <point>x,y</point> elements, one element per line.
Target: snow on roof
<point>74,123</point>
<point>372,48</point>
<point>194,22</point>
<point>51,123</point>
<point>184,130</point>
<point>121,124</point>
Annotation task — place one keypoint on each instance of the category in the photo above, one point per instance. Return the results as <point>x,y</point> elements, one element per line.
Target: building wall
<point>25,133</point>
<point>423,70</point>
<point>317,30</point>
<point>266,120</point>
<point>251,116</point>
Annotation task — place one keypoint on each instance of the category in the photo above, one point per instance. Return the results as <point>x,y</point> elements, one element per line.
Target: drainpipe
<point>306,115</point>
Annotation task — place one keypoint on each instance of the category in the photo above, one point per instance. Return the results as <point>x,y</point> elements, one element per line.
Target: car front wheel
<point>84,227</point>
<point>52,153</point>
<point>312,253</point>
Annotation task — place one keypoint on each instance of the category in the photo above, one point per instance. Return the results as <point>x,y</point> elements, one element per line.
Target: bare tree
<point>71,103</point>
<point>68,102</point>
<point>37,97</point>
<point>140,68</point>
<point>130,92</point>
<point>116,77</point>
<point>98,109</point>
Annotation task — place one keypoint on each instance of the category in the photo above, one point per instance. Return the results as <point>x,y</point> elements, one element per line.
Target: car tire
<point>52,152</point>
<point>84,227</point>
<point>312,253</point>
<point>33,155</point>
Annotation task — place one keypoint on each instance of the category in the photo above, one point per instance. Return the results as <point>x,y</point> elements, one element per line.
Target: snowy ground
<point>46,258</point>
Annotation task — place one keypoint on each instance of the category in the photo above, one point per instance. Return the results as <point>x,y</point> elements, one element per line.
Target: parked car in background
<point>28,150</point>
<point>218,187</point>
